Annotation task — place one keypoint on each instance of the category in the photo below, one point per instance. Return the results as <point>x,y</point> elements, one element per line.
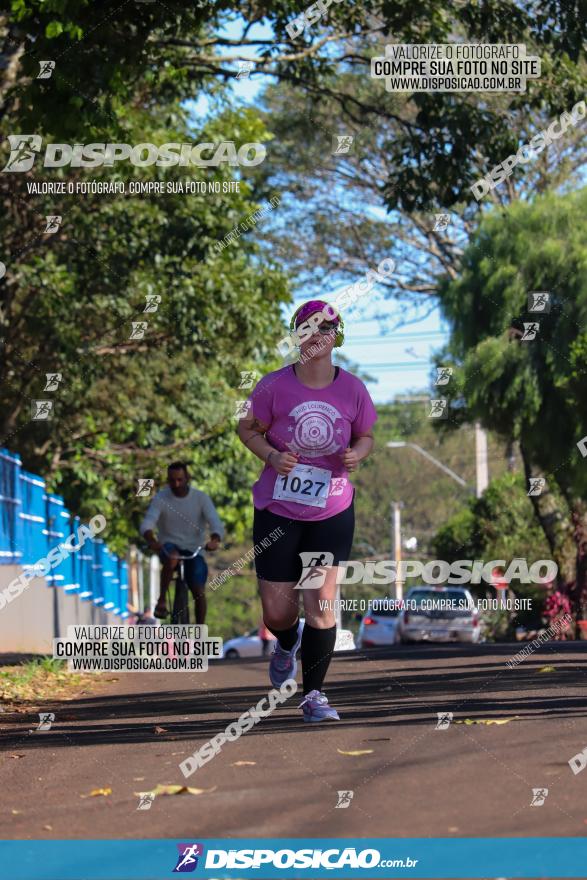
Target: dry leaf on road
<point>486,720</point>
<point>356,752</point>
<point>175,789</point>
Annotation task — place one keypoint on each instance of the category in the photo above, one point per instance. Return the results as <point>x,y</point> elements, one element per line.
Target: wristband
<point>268,459</point>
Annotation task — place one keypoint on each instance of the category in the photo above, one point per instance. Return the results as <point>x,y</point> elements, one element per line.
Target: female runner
<point>311,424</point>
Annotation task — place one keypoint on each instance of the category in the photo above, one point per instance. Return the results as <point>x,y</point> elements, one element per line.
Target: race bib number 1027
<point>305,485</point>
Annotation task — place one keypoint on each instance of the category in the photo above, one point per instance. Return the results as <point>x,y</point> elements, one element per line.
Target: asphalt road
<point>416,780</point>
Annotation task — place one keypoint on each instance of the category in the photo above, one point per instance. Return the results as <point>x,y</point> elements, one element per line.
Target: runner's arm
<point>360,447</point>
<point>251,432</point>
<point>362,444</point>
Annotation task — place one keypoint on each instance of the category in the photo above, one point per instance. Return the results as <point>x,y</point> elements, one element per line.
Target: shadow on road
<point>378,696</point>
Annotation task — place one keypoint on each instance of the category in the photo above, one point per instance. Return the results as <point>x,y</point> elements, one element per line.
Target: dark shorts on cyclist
<point>195,570</point>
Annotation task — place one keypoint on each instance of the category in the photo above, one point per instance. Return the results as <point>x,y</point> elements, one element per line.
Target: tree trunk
<point>11,51</point>
<point>555,518</point>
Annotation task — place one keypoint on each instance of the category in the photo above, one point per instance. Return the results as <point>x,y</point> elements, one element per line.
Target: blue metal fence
<point>33,521</point>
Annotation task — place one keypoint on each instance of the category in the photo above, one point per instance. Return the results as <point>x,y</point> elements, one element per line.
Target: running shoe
<point>316,708</point>
<point>283,664</point>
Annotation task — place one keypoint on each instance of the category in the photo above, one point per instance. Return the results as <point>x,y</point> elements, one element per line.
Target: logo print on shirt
<point>314,433</point>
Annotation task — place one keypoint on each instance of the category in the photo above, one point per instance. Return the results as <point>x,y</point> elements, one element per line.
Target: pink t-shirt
<point>318,424</point>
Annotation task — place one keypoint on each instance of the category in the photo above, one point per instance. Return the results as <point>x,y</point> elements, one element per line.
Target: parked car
<point>458,621</point>
<point>379,625</point>
<point>250,644</point>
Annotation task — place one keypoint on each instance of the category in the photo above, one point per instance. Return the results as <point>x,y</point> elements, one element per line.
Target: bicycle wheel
<point>180,612</point>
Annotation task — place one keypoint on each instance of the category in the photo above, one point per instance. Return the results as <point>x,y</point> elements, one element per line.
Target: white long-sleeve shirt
<point>182,521</point>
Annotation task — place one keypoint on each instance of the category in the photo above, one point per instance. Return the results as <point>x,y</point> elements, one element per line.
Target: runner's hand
<point>155,546</point>
<point>350,459</point>
<point>283,462</point>
<point>213,544</point>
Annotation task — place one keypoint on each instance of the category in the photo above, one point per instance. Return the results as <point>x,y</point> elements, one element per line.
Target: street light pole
<point>397,547</point>
<point>396,508</point>
<point>481,462</point>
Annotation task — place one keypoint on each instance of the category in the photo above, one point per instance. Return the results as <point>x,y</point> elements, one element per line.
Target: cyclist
<point>311,424</point>
<point>180,513</point>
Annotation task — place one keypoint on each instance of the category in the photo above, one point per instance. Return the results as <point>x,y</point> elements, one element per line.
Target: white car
<point>250,645</point>
<point>379,625</point>
<point>425,619</point>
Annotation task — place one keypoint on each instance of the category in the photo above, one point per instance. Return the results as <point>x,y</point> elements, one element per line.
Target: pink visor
<point>313,306</point>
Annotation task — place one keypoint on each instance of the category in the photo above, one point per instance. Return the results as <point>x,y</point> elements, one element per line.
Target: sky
<point>397,352</point>
<point>401,359</point>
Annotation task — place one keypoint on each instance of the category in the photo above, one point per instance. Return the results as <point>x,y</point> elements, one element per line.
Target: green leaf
<point>53,29</point>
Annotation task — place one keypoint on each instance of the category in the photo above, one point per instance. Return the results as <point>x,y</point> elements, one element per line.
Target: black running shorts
<point>280,560</point>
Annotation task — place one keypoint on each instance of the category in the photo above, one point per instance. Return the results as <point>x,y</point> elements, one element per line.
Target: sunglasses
<point>327,327</point>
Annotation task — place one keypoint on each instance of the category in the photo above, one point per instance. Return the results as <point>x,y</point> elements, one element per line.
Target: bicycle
<point>180,612</point>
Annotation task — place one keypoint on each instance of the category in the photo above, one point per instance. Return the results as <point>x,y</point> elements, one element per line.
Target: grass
<point>38,680</point>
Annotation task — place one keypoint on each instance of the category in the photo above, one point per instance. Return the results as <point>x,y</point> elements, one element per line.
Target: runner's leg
<point>333,535</point>
<point>280,614</point>
<point>319,636</point>
<point>280,610</point>
<point>278,569</point>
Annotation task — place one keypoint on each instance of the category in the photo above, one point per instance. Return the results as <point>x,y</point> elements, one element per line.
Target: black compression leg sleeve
<point>317,650</point>
<point>286,637</point>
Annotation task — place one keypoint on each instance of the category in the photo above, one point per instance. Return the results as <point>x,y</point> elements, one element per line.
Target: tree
<point>340,203</point>
<point>520,371</point>
<point>158,50</point>
<point>499,525</point>
<point>146,320</point>
<point>124,73</point>
<point>430,497</point>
